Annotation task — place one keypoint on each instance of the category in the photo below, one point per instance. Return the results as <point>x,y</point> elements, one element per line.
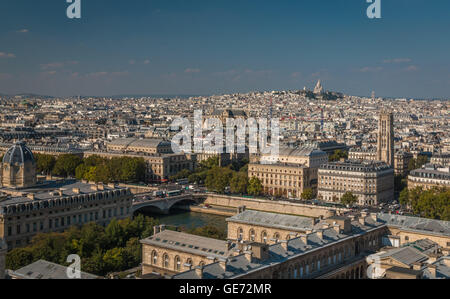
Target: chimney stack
<point>223,264</point>
<point>304,238</point>
<point>374,216</point>
<point>320,234</point>
<point>432,269</point>
<point>156,230</point>
<point>249,256</point>
<point>30,196</point>
<point>337,228</point>
<point>76,190</point>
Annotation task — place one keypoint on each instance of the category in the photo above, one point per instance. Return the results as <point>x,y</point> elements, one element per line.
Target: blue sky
<point>224,46</point>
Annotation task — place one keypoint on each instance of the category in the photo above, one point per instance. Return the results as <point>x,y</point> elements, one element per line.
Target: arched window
<point>252,235</point>
<point>240,233</point>
<point>177,263</point>
<point>189,262</point>
<point>166,260</point>
<point>201,264</point>
<point>155,258</point>
<point>276,236</point>
<point>264,237</point>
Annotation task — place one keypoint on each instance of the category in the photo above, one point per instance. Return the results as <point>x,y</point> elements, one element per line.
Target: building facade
<point>290,173</point>
<point>372,182</point>
<point>428,177</point>
<point>53,206</point>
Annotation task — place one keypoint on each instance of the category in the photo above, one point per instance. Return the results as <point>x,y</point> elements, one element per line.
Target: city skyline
<point>202,48</point>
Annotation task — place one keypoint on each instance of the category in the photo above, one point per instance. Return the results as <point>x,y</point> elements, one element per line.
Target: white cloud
<point>55,65</point>
<point>147,61</point>
<point>369,69</point>
<point>23,31</point>
<point>397,60</point>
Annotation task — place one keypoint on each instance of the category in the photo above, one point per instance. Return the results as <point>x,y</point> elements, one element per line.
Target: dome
<point>18,154</point>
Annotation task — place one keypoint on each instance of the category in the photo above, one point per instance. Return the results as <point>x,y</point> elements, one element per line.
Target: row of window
<point>61,222</point>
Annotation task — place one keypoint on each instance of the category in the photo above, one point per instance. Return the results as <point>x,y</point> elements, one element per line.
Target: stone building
<point>441,159</point>
<point>371,181</point>
<point>148,146</point>
<point>53,206</point>
<point>290,173</point>
<point>18,169</point>
<point>169,252</point>
<point>333,248</point>
<point>429,176</point>
<point>401,162</point>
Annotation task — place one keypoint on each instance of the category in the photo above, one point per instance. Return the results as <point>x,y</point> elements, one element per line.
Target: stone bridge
<point>163,205</point>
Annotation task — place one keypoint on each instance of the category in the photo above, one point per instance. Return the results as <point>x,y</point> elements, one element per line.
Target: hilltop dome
<point>18,169</point>
<point>18,154</point>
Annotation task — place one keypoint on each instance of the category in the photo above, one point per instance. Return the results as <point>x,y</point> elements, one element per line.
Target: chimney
<point>199,271</point>
<point>30,196</point>
<point>432,269</point>
<point>432,258</point>
<point>162,228</point>
<point>156,230</point>
<point>337,228</point>
<point>304,239</point>
<point>417,266</point>
<point>101,187</point>
<point>76,190</point>
<point>94,187</point>
<point>362,220</point>
<point>320,234</point>
<point>374,216</point>
<point>326,226</point>
<point>223,264</point>
<point>112,185</point>
<point>241,209</point>
<point>249,256</point>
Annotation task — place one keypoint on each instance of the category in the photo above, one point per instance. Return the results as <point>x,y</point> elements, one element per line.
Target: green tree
<point>307,194</point>
<point>218,179</point>
<point>349,199</point>
<point>338,155</point>
<point>19,257</point>
<point>45,163</point>
<point>66,165</point>
<point>239,183</point>
<point>255,187</point>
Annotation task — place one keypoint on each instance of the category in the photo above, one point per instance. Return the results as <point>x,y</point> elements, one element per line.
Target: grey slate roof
<point>189,243</point>
<point>46,270</point>
<point>18,154</point>
<point>287,222</point>
<point>406,255</point>
<point>429,226</point>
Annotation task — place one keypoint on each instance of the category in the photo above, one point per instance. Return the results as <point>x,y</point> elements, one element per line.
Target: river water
<point>190,219</point>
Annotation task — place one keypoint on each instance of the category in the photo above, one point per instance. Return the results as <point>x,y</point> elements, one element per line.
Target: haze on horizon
<point>204,47</point>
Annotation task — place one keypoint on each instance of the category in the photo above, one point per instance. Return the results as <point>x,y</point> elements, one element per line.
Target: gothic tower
<point>385,149</point>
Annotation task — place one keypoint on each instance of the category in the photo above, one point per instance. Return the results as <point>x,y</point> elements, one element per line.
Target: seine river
<point>190,219</point>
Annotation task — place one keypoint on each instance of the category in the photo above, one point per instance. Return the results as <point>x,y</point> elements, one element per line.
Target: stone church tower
<point>385,148</point>
<point>18,168</point>
<point>2,258</point>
